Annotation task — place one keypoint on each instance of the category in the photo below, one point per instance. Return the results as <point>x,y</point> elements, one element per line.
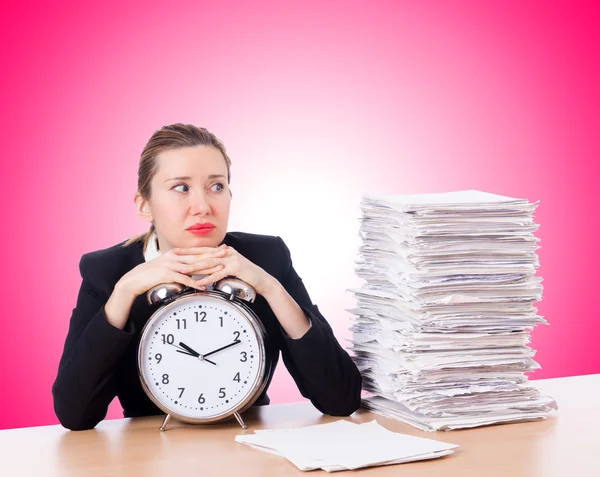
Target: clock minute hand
<point>222,348</point>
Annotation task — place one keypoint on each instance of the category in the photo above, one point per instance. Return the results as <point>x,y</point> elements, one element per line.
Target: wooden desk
<point>565,445</point>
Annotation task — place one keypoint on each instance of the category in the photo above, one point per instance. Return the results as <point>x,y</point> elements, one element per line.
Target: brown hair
<point>173,136</point>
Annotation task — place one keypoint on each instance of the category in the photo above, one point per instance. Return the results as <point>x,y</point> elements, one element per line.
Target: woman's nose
<point>200,206</point>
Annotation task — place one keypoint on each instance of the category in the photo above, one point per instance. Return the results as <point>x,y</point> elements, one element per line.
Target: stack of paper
<point>344,445</point>
<point>444,317</point>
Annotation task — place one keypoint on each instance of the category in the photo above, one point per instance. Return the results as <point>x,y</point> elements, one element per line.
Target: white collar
<point>152,248</point>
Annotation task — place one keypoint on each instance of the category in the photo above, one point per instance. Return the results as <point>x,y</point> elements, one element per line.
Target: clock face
<point>200,357</point>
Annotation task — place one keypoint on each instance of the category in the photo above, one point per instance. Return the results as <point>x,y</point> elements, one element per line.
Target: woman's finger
<point>192,250</point>
<point>181,278</point>
<point>197,250</point>
<point>201,266</point>
<point>200,255</point>
<point>193,259</point>
<point>211,270</point>
<point>181,267</point>
<point>214,277</point>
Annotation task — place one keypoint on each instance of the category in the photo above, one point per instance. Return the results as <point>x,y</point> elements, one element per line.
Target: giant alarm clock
<point>202,357</point>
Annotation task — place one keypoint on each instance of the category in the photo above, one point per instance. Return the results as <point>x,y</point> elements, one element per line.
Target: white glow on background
<point>304,194</point>
<point>306,197</point>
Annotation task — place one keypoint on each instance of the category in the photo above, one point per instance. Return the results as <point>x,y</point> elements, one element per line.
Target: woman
<point>183,191</point>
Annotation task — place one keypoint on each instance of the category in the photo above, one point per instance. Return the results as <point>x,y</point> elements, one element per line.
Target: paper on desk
<point>340,445</point>
<point>441,327</point>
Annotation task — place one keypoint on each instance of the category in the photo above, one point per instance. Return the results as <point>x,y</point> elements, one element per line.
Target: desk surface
<point>566,444</point>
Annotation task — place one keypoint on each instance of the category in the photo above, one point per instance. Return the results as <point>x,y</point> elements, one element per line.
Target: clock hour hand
<point>199,357</point>
<point>194,353</point>
<point>180,350</point>
<point>222,348</point>
<point>189,350</point>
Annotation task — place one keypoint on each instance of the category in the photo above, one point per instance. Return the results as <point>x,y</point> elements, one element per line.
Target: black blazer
<point>99,361</point>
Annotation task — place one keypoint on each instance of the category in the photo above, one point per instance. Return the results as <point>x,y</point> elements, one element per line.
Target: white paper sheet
<point>340,445</point>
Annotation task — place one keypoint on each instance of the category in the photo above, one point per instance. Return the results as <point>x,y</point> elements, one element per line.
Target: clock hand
<point>185,352</point>
<point>182,351</point>
<point>222,348</point>
<point>189,350</point>
<point>194,353</point>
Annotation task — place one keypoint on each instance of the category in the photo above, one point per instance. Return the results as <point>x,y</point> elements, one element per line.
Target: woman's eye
<point>221,187</point>
<point>181,185</point>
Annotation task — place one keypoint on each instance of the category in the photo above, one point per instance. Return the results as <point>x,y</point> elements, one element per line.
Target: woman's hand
<point>289,314</point>
<point>233,264</point>
<point>170,267</point>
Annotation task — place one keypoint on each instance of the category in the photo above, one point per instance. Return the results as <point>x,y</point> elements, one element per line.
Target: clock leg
<point>164,424</point>
<point>239,420</point>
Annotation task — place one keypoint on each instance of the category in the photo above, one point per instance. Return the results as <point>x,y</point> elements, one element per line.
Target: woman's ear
<point>143,208</point>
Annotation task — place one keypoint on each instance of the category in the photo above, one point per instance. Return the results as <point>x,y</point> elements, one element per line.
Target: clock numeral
<point>244,357</point>
<point>179,322</point>
<point>168,339</point>
<point>236,336</point>
<point>237,377</point>
<point>158,357</point>
<point>181,393</point>
<point>221,318</point>
<point>165,379</point>
<point>201,315</point>
<point>201,399</point>
<point>222,393</point>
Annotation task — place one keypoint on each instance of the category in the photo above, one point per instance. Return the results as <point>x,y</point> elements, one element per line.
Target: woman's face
<point>189,188</point>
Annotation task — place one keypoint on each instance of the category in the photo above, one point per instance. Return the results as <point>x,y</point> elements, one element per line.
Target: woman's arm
<point>290,316</point>
<point>85,384</point>
<point>321,368</point>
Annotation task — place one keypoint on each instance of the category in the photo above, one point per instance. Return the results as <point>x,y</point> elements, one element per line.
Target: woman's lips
<point>201,230</point>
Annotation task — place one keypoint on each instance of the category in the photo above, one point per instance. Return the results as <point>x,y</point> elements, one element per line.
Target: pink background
<point>316,104</point>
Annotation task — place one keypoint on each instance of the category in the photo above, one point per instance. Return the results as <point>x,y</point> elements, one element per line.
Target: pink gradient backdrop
<point>316,105</point>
